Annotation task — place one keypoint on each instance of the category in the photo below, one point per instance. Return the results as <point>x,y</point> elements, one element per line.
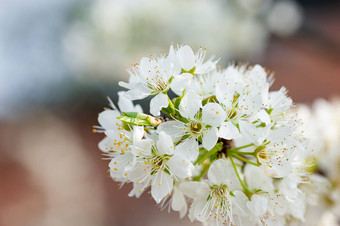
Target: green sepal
<point>257,150</point>
<point>269,111</point>
<point>126,126</point>
<point>167,171</point>
<point>191,71</point>
<point>168,111</point>
<point>211,99</point>
<point>171,109</point>
<point>261,125</point>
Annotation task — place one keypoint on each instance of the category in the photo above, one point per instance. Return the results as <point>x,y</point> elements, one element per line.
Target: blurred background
<point>59,59</point>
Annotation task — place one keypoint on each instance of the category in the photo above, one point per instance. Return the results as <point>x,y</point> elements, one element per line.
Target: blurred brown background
<point>51,170</point>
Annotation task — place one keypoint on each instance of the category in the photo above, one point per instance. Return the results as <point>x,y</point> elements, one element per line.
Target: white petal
<point>180,166</point>
<point>124,84</point>
<point>251,103</point>
<point>206,67</point>
<point>256,179</point>
<point>125,104</point>
<point>281,135</point>
<point>105,144</point>
<point>279,102</point>
<point>138,92</point>
<point>252,133</point>
<point>190,104</point>
<point>228,131</point>
<point>202,211</point>
<point>138,133</point>
<point>209,138</point>
<point>213,114</point>
<point>240,203</point>
<point>288,187</point>
<point>138,108</point>
<point>108,118</point>
<point>173,64</point>
<point>138,189</point>
<point>188,148</point>
<point>195,189</point>
<point>162,185</point>
<point>119,164</point>
<point>142,147</point>
<point>140,174</point>
<point>183,211</point>
<point>186,57</point>
<point>298,210</point>
<point>278,168</point>
<point>258,75</point>
<point>225,91</point>
<point>219,172</point>
<point>263,116</point>
<point>114,138</point>
<point>164,144</point>
<point>157,103</point>
<point>180,82</point>
<point>258,205</point>
<point>178,201</point>
<point>147,67</point>
<point>174,128</point>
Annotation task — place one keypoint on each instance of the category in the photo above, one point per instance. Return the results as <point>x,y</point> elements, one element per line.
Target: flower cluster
<point>224,150</point>
<point>322,125</point>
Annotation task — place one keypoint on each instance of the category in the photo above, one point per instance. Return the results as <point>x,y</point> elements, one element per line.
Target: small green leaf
<point>269,111</point>
<point>139,119</point>
<point>133,121</point>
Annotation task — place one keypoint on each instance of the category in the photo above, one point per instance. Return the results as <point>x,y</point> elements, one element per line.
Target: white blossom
<point>213,202</point>
<point>158,165</point>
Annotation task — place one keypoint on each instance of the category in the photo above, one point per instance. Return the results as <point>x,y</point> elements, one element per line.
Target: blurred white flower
<point>109,34</point>
<point>285,18</point>
<point>322,124</point>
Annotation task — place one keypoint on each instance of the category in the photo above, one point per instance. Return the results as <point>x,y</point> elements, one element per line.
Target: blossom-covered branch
<point>225,145</point>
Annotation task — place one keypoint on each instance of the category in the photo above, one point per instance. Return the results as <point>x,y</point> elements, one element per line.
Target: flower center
<point>262,155</point>
<point>195,127</point>
<point>222,205</point>
<point>158,162</point>
<point>219,191</point>
<point>157,85</point>
<point>232,114</point>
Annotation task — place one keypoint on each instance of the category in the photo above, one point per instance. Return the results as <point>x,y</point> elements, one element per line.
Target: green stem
<point>242,153</point>
<point>244,159</point>
<point>238,176</point>
<point>207,154</point>
<point>177,142</point>
<point>241,147</point>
